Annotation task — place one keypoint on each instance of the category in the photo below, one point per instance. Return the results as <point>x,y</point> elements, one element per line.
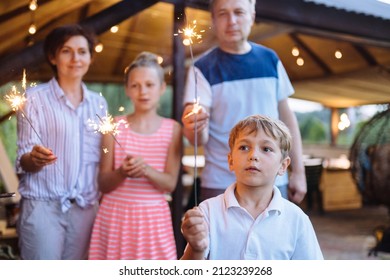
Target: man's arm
<point>297,181</point>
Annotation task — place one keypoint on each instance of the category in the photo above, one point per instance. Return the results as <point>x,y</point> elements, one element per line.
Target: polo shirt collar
<point>275,205</point>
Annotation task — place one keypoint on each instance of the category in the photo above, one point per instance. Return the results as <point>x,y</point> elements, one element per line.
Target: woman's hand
<point>41,156</point>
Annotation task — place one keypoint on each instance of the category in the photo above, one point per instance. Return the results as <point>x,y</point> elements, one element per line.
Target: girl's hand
<point>134,167</point>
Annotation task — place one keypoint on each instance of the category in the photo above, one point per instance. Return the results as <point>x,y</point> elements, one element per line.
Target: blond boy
<point>251,220</point>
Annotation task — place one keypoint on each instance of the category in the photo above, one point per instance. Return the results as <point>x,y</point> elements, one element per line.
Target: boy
<point>251,220</point>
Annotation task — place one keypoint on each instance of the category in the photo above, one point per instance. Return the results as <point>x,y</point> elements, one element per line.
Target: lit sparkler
<point>107,125</point>
<point>195,109</point>
<point>16,101</point>
<point>190,34</point>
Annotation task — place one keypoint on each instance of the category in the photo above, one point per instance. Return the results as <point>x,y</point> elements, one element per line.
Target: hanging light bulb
<point>344,122</point>
<point>32,29</point>
<point>114,29</point>
<point>33,5</point>
<point>338,54</point>
<point>300,61</point>
<point>160,59</point>
<point>295,51</point>
<point>99,48</point>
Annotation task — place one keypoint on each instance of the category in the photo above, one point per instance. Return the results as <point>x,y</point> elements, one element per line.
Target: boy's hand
<point>194,229</point>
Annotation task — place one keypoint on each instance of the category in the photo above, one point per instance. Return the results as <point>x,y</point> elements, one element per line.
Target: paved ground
<point>349,234</point>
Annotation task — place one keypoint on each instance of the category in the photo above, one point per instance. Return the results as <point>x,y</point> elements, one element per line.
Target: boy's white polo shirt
<point>282,231</point>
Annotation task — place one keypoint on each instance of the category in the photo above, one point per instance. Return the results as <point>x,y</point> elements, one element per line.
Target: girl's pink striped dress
<point>134,221</point>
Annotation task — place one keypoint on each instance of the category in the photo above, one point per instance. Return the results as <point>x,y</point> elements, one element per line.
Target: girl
<point>134,219</point>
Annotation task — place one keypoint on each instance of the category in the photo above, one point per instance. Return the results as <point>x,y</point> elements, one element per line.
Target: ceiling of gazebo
<point>361,76</point>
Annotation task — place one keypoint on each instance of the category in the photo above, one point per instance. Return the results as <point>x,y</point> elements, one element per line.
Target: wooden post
<point>178,81</point>
<point>334,130</point>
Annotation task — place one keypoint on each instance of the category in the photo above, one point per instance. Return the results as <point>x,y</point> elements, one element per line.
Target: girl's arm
<point>167,180</point>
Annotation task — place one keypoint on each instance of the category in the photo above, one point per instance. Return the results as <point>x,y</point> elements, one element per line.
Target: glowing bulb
<point>341,126</point>
<point>33,5</point>
<point>32,29</point>
<point>295,51</point>
<point>114,29</point>
<point>344,122</point>
<point>300,61</point>
<point>160,59</point>
<point>338,54</point>
<point>99,48</point>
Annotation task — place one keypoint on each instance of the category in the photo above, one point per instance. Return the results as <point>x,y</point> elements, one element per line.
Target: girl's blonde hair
<point>273,128</point>
<point>145,59</point>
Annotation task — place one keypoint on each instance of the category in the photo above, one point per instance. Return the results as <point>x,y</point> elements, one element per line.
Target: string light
<point>32,29</point>
<point>338,54</point>
<point>295,51</point>
<point>99,48</point>
<point>33,5</point>
<point>114,29</point>
<point>344,122</point>
<point>300,61</point>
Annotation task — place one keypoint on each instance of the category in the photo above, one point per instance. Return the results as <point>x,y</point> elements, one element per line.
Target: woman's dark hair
<point>58,36</point>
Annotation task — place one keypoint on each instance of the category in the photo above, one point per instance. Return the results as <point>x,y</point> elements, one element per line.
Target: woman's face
<point>73,58</point>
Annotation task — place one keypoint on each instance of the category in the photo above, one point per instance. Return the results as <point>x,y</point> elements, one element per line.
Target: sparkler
<point>107,125</point>
<point>16,101</point>
<point>190,34</point>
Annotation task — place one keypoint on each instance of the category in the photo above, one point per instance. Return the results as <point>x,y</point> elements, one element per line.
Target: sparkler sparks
<point>107,125</point>
<point>195,109</point>
<point>15,99</point>
<point>190,34</point>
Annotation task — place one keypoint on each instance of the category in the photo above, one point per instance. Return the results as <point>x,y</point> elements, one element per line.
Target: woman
<point>57,165</point>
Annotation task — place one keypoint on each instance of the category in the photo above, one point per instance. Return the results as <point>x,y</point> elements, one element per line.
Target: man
<point>234,80</point>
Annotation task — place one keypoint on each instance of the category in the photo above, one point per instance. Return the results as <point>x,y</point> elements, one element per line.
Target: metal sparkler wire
<point>190,33</point>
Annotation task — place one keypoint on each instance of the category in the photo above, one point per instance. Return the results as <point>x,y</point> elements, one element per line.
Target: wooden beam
<point>30,57</point>
<point>15,30</point>
<point>371,61</point>
<point>317,19</point>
